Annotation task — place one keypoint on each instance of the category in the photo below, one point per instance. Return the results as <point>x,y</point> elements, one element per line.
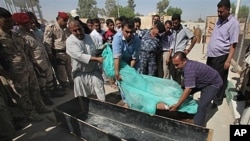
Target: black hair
<point>4,13</point>
<point>181,55</point>
<point>128,22</point>
<point>169,22</point>
<point>176,17</point>
<point>89,20</point>
<point>158,16</point>
<point>160,26</point>
<point>96,20</point>
<point>117,19</point>
<point>137,20</point>
<point>76,18</point>
<point>108,21</point>
<point>122,18</point>
<point>33,16</point>
<point>225,3</point>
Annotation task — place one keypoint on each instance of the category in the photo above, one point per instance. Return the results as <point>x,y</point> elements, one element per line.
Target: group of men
<point>33,62</point>
<point>209,78</point>
<point>30,58</point>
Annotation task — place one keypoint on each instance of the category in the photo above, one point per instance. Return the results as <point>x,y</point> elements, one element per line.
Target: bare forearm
<point>170,53</point>
<point>231,53</point>
<point>132,63</point>
<point>184,96</point>
<point>193,41</point>
<point>97,59</point>
<point>116,65</point>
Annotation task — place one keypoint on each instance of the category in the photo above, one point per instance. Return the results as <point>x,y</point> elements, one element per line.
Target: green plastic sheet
<point>143,92</point>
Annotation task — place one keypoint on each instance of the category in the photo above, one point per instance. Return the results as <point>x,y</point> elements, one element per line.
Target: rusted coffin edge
<point>131,125</point>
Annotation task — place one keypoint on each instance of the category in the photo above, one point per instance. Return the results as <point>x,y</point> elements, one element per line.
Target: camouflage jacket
<point>14,53</point>
<point>37,48</point>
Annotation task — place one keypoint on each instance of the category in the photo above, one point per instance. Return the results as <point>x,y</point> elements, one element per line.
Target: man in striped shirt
<point>197,77</point>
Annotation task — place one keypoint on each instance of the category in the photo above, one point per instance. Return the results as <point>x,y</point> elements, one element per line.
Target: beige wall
<point>146,21</point>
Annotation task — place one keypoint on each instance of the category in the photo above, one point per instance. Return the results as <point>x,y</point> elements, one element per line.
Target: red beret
<point>63,15</point>
<point>20,18</point>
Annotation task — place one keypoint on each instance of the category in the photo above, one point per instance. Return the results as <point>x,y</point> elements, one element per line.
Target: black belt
<point>60,50</point>
<point>148,51</point>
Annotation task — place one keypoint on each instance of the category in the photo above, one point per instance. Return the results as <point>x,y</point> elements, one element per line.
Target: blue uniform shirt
<point>125,50</point>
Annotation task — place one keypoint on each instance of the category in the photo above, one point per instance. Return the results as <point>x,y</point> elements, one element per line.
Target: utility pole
<point>236,63</point>
<point>237,9</point>
<point>118,9</point>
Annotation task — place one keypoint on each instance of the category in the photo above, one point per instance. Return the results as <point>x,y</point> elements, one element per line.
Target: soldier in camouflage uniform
<point>15,61</point>
<point>55,39</point>
<point>38,51</point>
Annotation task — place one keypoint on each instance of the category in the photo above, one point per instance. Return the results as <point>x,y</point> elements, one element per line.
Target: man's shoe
<point>53,95</point>
<point>214,106</point>
<point>46,98</point>
<point>239,97</point>
<point>43,110</point>
<point>47,101</point>
<point>35,118</point>
<point>18,119</point>
<point>58,92</point>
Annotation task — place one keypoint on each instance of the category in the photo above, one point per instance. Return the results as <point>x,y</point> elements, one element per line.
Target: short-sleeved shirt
<point>124,49</point>
<point>166,40</point>
<point>55,36</point>
<point>224,35</point>
<point>199,75</point>
<point>97,36</point>
<point>181,38</point>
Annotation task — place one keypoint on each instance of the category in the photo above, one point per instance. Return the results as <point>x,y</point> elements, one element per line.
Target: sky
<point>191,9</point>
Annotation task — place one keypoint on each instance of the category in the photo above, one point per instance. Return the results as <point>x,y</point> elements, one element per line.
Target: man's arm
<point>234,32</point>
<point>170,53</point>
<point>193,41</point>
<point>230,56</point>
<point>117,68</point>
<point>135,55</point>
<point>117,53</point>
<point>183,97</point>
<point>132,63</point>
<point>48,39</point>
<point>97,59</point>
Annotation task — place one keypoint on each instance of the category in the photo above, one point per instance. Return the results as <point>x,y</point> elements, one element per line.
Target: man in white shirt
<point>97,32</point>
<point>85,70</point>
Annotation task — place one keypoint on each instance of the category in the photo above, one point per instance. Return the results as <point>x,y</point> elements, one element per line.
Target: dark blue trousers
<point>207,95</point>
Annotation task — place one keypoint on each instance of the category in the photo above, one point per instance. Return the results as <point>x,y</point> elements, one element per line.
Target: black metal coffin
<point>93,120</point>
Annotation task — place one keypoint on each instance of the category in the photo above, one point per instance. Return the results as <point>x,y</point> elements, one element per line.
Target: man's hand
<point>167,61</point>
<point>173,107</point>
<point>99,59</point>
<point>118,77</point>
<point>186,51</point>
<point>226,65</point>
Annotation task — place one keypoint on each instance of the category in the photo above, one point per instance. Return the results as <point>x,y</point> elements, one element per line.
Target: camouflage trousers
<point>148,63</point>
<point>27,85</point>
<point>63,69</point>
<point>46,79</point>
<point>6,129</point>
